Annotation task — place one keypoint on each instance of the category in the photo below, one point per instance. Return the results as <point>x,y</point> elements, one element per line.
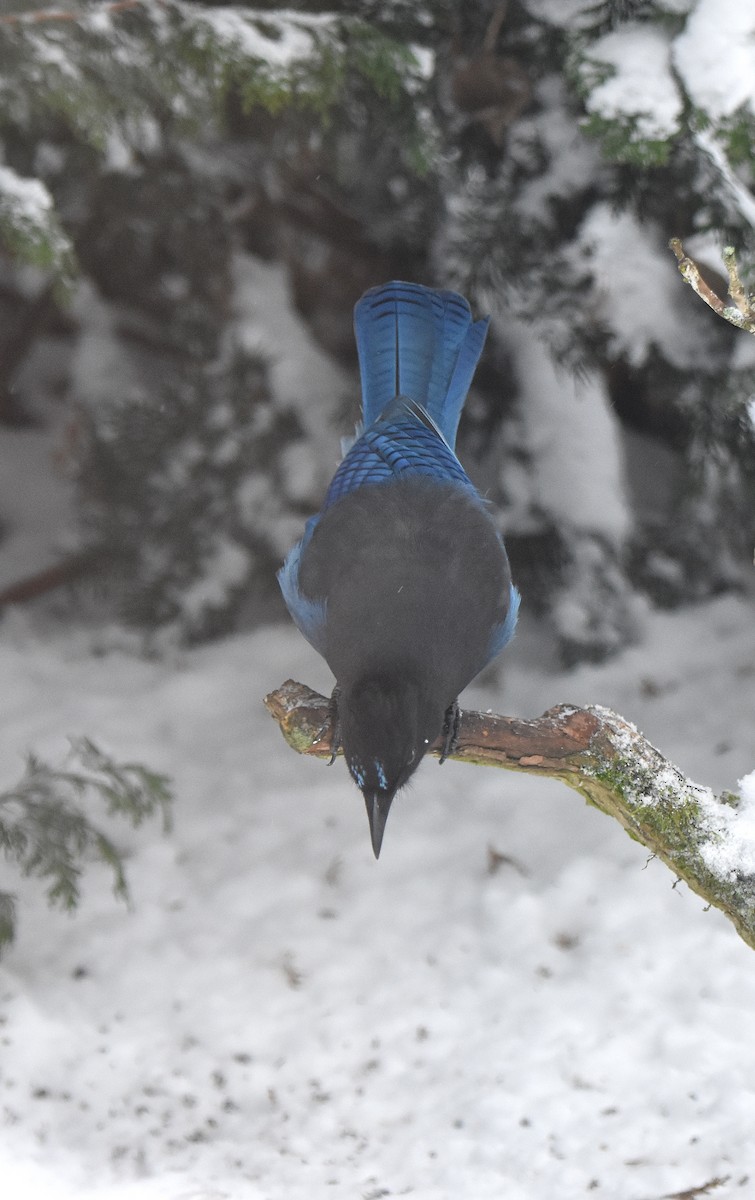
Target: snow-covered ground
<point>281,1016</point>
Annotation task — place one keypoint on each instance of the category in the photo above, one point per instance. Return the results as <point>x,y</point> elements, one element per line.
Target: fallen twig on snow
<point>608,761</point>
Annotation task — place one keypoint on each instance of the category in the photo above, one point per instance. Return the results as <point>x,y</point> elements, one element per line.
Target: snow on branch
<point>706,840</point>
<point>30,228</point>
<point>742,312</point>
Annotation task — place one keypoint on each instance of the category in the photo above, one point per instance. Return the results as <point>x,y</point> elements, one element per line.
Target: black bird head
<point>387,723</point>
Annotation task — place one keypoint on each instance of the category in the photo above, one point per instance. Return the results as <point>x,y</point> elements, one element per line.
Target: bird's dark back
<point>413,573</point>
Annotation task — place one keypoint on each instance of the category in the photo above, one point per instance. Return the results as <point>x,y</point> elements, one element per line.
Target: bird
<point>402,581</point>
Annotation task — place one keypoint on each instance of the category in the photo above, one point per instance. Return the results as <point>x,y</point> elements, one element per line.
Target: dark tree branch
<point>68,570</point>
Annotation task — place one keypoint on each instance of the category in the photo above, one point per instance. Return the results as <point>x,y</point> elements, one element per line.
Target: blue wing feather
<point>309,615</point>
<point>503,633</point>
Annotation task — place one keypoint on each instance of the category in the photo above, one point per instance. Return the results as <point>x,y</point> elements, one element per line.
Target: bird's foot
<point>451,724</point>
<point>334,721</point>
<point>332,725</point>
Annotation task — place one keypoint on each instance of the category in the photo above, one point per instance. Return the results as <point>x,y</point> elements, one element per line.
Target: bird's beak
<point>378,807</point>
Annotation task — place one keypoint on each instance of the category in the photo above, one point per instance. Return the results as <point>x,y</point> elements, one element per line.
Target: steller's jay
<point>401,581</point>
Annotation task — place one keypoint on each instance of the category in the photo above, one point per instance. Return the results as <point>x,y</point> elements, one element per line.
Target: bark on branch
<point>608,761</point>
<point>742,312</point>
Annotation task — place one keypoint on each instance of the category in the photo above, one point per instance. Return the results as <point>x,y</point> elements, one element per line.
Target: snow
<point>35,522</point>
<point>746,787</point>
<point>731,851</point>
<point>27,216</point>
<point>571,434</point>
<point>715,56</point>
<point>576,14</point>
<point>51,53</point>
<point>424,60</point>
<point>277,39</point>
<point>566,13</point>
<point>226,568</point>
<point>744,356</point>
<point>100,369</point>
<point>279,1015</point>
<point>29,198</point>
<point>572,157</point>
<point>303,377</point>
<point>641,84</point>
<point>32,540</point>
<point>741,195</point>
<point>630,262</point>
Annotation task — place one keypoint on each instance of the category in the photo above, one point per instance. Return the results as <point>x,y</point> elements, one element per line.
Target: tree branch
<point>37,16</point>
<point>608,761</point>
<point>68,570</point>
<point>742,312</point>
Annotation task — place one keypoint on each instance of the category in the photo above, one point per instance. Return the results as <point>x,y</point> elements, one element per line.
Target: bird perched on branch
<point>401,581</point>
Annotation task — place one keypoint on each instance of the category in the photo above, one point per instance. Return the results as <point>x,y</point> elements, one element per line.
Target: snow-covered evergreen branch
<point>29,225</point>
<point>47,832</point>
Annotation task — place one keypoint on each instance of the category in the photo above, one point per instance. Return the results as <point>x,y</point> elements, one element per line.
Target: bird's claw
<point>334,721</point>
<point>451,724</point>
<point>332,725</point>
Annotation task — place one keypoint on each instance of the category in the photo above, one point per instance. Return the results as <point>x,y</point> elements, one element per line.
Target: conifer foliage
<point>47,827</point>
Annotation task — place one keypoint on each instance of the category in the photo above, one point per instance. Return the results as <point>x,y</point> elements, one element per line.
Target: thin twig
<point>742,313</point>
<point>736,290</point>
<point>68,570</point>
<point>495,26</point>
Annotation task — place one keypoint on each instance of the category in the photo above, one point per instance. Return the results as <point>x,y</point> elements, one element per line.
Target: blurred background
<point>193,197</point>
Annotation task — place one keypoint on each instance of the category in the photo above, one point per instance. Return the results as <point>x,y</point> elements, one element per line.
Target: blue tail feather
<point>416,342</point>
<point>461,380</point>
